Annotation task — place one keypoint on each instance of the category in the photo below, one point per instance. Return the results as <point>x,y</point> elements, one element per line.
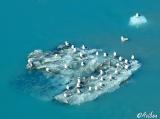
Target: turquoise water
<point>31,24</point>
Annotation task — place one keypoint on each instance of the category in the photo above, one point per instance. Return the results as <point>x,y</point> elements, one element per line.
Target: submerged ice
<point>75,75</point>
<point>137,20</point>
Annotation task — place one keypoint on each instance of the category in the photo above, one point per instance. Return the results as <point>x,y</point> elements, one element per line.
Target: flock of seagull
<point>48,63</point>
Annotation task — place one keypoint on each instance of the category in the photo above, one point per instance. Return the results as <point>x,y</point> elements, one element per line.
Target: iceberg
<point>76,75</point>
<point>137,20</point>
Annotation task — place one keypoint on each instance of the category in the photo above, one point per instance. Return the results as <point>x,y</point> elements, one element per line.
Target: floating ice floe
<point>77,76</point>
<point>137,20</point>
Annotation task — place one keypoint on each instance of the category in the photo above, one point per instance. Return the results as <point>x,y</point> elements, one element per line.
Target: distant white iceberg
<point>137,20</point>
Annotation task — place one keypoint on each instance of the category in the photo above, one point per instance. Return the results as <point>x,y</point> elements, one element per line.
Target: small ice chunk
<point>137,20</point>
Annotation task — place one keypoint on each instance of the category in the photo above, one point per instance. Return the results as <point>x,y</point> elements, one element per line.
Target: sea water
<point>43,24</point>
